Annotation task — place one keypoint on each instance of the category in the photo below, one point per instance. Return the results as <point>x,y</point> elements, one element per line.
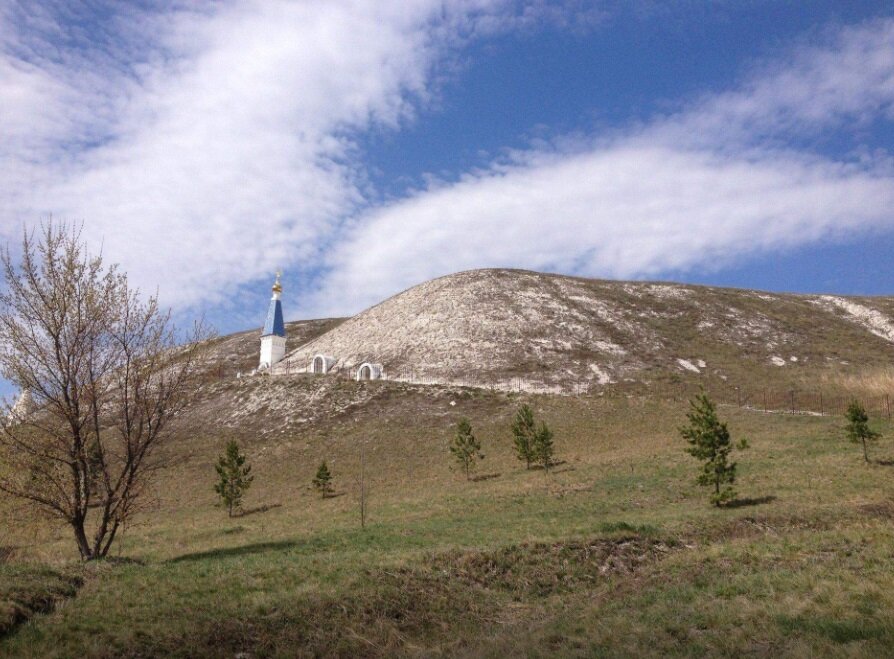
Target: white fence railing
<point>516,384</point>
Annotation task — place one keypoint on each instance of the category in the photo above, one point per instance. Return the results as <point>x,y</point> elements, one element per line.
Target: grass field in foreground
<point>616,552</point>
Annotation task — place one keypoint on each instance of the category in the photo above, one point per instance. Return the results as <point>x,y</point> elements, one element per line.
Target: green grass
<point>616,552</point>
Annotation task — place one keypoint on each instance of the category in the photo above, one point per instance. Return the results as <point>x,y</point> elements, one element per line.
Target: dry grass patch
<point>876,382</point>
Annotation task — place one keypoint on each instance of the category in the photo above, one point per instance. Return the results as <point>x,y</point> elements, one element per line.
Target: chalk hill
<point>491,327</point>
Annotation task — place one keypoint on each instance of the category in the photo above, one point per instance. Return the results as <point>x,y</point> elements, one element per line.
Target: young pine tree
<point>465,447</point>
<point>709,441</point>
<point>323,480</point>
<point>234,477</point>
<point>524,433</point>
<point>543,446</point>
<point>858,430</point>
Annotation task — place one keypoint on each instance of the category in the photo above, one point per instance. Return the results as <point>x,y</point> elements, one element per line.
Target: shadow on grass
<point>235,552</point>
<point>885,463</point>
<point>484,477</point>
<point>260,509</point>
<point>839,631</point>
<point>751,501</point>
<point>122,560</point>
<point>552,465</point>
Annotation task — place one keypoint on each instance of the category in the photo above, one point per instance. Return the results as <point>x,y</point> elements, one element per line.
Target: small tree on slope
<point>543,446</point>
<point>524,433</point>
<point>858,430</point>
<point>465,447</point>
<point>709,441</point>
<point>234,477</point>
<point>323,480</point>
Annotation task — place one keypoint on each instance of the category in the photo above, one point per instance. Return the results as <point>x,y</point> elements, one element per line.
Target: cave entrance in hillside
<point>321,364</point>
<point>369,371</point>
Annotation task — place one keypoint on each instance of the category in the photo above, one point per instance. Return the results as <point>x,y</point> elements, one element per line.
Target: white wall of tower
<point>273,349</point>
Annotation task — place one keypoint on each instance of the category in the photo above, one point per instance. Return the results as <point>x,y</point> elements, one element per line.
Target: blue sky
<point>365,146</point>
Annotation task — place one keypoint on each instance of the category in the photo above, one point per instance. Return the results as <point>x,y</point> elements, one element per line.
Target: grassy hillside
<point>616,552</point>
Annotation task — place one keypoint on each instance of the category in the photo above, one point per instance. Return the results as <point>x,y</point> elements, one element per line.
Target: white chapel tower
<point>273,338</point>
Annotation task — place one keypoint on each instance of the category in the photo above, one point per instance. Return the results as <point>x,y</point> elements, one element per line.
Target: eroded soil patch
<point>26,591</point>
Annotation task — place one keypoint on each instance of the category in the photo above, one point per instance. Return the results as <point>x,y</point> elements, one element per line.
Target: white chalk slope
<point>492,326</point>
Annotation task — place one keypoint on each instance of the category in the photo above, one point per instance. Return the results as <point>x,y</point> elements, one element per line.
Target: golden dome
<point>277,287</point>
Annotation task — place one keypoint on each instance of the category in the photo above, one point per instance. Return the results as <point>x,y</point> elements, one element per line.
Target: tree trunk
<point>110,538</point>
<point>81,539</point>
<point>865,451</point>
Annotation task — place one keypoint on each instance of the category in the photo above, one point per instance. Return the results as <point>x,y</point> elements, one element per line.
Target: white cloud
<point>849,77</point>
<point>704,187</point>
<point>623,211</point>
<point>206,144</point>
<point>218,143</point>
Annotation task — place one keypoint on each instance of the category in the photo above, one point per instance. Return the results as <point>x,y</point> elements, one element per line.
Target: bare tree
<point>106,374</point>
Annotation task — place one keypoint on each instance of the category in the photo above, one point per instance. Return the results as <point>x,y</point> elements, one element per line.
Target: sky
<point>365,146</point>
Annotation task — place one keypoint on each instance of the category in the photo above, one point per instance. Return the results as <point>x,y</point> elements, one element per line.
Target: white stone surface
<point>273,349</point>
<point>480,325</point>
<point>512,329</point>
<point>872,319</point>
<point>688,365</point>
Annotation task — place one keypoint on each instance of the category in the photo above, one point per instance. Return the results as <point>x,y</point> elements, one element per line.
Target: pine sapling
<point>858,430</point>
<point>543,446</point>
<point>524,433</point>
<point>709,441</point>
<point>465,447</point>
<point>323,480</point>
<point>234,477</point>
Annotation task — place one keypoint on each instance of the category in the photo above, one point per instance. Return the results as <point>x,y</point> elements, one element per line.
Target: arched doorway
<point>321,364</point>
<point>369,371</point>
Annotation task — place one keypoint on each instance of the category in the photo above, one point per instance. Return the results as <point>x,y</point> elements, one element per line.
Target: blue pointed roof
<point>274,323</point>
